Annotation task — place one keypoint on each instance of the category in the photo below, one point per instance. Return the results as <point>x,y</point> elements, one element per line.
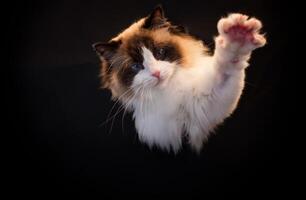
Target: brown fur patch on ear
<point>106,50</point>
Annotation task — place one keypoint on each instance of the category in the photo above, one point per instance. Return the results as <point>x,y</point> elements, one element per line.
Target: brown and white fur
<point>171,84</point>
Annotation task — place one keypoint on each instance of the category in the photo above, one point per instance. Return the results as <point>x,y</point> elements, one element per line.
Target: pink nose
<point>156,74</point>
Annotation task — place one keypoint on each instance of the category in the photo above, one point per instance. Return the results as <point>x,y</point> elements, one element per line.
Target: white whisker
<point>116,102</point>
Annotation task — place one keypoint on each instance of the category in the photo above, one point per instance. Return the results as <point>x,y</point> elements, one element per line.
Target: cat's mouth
<point>159,82</point>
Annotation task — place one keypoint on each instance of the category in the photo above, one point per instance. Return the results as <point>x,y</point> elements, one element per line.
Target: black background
<point>57,109</point>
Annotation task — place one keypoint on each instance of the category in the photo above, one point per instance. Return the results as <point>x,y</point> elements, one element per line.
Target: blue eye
<point>137,66</point>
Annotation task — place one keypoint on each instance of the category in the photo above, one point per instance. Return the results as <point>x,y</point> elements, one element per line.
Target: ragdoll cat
<point>167,78</point>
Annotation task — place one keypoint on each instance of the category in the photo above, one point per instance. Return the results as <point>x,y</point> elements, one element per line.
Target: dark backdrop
<point>60,142</point>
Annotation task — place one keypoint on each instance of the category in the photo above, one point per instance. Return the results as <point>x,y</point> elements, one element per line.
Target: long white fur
<point>193,99</point>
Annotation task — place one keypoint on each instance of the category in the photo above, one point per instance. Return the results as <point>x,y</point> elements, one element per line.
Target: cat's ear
<point>156,19</point>
<point>106,50</point>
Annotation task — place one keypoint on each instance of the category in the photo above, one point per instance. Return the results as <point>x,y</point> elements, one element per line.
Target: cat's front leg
<point>238,37</point>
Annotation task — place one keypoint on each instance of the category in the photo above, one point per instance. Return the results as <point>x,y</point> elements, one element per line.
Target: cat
<point>171,83</point>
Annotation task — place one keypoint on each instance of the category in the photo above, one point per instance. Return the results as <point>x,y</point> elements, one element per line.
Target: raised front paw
<point>240,32</point>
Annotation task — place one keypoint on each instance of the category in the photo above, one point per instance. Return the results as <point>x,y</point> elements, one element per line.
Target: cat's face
<point>144,56</point>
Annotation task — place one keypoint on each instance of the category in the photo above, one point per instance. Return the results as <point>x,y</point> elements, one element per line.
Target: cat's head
<point>146,55</point>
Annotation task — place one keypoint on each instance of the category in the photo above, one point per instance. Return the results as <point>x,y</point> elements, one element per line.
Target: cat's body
<point>171,84</point>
